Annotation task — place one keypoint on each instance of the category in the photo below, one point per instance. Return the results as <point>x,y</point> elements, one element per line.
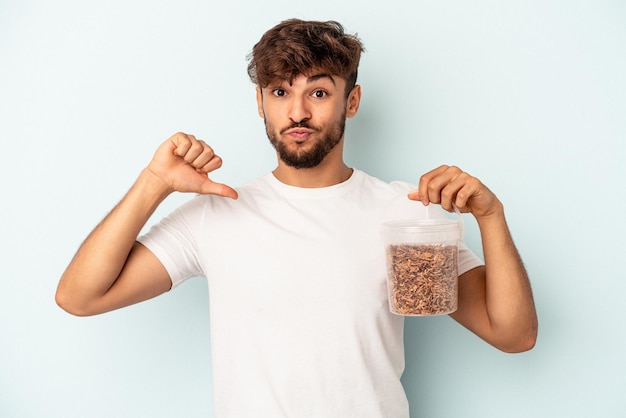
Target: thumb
<point>415,195</point>
<point>219,189</point>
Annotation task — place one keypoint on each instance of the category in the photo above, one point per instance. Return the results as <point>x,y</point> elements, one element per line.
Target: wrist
<point>494,215</point>
<point>152,186</point>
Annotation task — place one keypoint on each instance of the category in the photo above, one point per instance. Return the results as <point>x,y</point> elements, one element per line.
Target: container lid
<point>406,220</point>
<point>421,231</point>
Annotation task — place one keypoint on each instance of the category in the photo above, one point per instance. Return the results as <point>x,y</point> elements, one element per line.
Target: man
<point>299,315</point>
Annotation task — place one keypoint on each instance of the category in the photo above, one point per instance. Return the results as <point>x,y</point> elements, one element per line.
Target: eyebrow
<point>309,80</point>
<point>316,77</point>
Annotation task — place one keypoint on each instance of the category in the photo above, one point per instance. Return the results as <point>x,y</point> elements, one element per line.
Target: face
<point>305,119</point>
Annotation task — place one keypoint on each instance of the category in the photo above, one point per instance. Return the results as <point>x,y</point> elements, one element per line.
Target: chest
<point>304,257</point>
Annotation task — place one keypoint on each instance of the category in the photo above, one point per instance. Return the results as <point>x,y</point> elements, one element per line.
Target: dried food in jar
<point>423,278</point>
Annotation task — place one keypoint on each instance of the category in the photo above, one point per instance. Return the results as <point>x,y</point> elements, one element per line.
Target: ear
<point>354,99</point>
<point>259,102</point>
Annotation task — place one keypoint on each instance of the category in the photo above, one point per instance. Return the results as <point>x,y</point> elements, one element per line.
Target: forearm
<point>101,258</point>
<point>508,295</point>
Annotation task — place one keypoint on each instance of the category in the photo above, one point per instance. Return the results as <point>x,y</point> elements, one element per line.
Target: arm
<point>495,301</point>
<point>111,270</point>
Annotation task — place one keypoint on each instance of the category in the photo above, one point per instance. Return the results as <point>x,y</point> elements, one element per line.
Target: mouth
<point>299,134</point>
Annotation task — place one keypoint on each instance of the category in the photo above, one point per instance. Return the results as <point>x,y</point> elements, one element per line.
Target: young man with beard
<point>299,314</point>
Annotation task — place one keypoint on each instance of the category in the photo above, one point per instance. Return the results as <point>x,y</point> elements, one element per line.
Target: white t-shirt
<point>300,321</point>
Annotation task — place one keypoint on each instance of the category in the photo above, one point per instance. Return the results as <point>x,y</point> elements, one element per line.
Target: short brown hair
<point>297,47</point>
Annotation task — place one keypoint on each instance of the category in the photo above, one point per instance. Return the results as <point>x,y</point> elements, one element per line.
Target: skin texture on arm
<point>495,301</point>
<point>111,270</point>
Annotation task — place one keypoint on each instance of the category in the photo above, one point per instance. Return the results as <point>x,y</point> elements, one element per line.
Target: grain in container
<point>422,262</point>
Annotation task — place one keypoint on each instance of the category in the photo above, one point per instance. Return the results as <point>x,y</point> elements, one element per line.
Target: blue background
<point>529,96</point>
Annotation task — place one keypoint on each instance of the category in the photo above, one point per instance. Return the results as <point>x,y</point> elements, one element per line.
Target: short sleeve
<point>467,259</point>
<point>173,242</point>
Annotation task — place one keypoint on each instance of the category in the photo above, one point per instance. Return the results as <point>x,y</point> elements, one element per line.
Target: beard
<point>316,152</point>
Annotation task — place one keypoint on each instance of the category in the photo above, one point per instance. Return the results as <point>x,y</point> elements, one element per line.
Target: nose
<point>299,110</point>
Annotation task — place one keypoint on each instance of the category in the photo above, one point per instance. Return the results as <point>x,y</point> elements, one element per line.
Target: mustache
<point>302,124</point>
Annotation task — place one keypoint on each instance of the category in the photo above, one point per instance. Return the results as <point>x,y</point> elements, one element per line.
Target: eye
<point>319,94</point>
<point>279,92</point>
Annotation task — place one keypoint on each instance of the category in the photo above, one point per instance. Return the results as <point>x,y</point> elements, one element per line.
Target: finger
<point>450,192</point>
<point>434,183</point>
<point>182,143</point>
<point>210,187</point>
<point>196,149</point>
<point>213,164</point>
<point>467,187</point>
<point>204,157</point>
<point>425,183</point>
<point>190,151</point>
<point>414,195</point>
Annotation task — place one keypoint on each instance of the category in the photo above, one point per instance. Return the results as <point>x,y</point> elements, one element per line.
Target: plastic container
<point>422,262</point>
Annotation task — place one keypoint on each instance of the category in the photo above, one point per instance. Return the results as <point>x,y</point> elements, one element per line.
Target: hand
<point>448,185</point>
<point>183,162</point>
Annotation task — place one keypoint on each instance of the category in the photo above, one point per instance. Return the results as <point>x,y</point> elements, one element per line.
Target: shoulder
<point>377,185</point>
